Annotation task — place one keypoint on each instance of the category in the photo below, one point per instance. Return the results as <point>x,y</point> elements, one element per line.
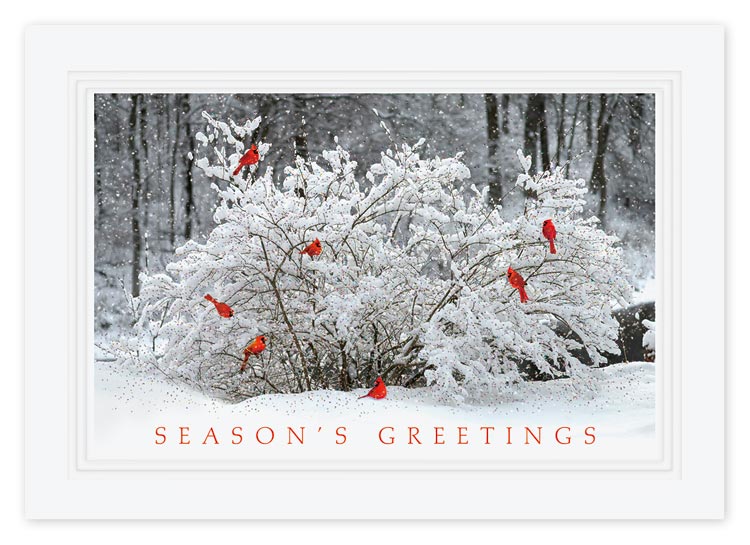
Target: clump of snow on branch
<point>649,339</point>
<point>410,285</point>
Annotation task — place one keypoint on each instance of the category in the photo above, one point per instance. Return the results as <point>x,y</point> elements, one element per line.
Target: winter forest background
<point>151,197</point>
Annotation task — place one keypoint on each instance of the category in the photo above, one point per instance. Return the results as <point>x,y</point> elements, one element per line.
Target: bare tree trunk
<point>560,130</point>
<point>118,141</point>
<point>543,140</point>
<point>535,130</point>
<point>264,108</point>
<point>571,138</point>
<point>598,176</point>
<point>173,171</point>
<point>145,179</point>
<point>493,140</point>
<point>505,105</point>
<point>98,189</point>
<point>636,118</point>
<point>531,128</point>
<point>135,221</point>
<point>299,111</point>
<point>344,381</point>
<point>589,122</point>
<point>189,159</point>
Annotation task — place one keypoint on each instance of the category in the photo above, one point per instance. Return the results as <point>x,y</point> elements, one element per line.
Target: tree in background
<point>536,142</point>
<point>493,143</point>
<point>607,108</point>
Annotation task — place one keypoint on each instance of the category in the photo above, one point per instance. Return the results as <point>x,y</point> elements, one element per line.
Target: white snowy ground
<point>128,409</point>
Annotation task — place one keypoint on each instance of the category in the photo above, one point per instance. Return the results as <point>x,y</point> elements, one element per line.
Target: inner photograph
<point>355,254</point>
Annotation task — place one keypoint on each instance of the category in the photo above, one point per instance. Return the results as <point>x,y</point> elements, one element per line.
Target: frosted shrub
<point>410,284</point>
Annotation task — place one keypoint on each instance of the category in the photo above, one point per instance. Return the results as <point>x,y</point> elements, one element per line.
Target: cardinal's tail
<point>242,367</point>
<point>366,395</point>
<point>552,248</point>
<point>209,298</point>
<point>522,292</point>
<point>237,170</point>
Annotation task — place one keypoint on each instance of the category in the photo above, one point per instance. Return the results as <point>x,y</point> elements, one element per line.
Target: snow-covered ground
<point>134,413</point>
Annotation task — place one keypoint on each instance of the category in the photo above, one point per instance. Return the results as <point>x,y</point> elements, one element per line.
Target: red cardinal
<point>313,249</point>
<point>250,158</point>
<point>517,281</point>
<point>254,348</point>
<point>224,310</point>
<point>549,232</point>
<point>377,391</point>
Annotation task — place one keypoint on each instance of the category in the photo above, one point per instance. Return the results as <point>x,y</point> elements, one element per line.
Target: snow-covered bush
<point>410,284</point>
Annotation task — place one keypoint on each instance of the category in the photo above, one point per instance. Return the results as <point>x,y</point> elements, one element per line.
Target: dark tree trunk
<point>535,130</point>
<point>98,189</point>
<point>598,176</point>
<point>264,108</point>
<point>530,132</point>
<point>189,158</point>
<point>118,141</point>
<point>543,139</point>
<point>505,104</point>
<point>560,131</point>
<point>144,177</point>
<point>589,122</point>
<point>344,379</point>
<point>173,172</point>
<point>636,119</point>
<point>571,137</point>
<point>135,221</point>
<point>299,111</point>
<point>493,143</point>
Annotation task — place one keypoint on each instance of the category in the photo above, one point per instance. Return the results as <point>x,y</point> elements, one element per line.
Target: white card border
<point>59,56</point>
